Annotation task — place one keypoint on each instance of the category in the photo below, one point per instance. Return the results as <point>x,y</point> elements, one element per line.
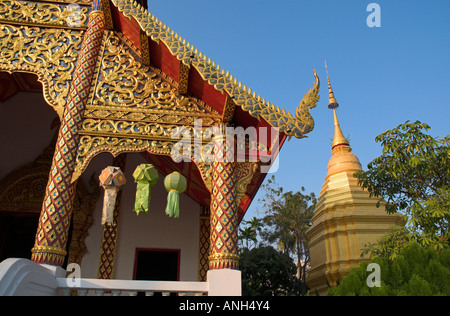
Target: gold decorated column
<point>224,209</point>
<point>204,241</point>
<point>54,222</point>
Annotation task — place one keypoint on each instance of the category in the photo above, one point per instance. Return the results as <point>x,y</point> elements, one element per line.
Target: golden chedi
<point>345,218</point>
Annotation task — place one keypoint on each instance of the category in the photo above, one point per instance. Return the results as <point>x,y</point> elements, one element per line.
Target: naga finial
<point>303,122</point>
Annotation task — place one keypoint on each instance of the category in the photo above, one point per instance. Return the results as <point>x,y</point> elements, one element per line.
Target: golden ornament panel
<point>135,108</point>
<point>48,52</point>
<point>125,83</point>
<point>43,14</point>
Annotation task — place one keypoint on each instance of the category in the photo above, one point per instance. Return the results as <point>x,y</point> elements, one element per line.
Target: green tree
<point>267,272</point>
<point>413,176</point>
<point>416,271</point>
<point>288,217</point>
<point>389,245</point>
<point>248,233</point>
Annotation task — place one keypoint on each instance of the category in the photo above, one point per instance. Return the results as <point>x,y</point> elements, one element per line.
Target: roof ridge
<point>245,97</point>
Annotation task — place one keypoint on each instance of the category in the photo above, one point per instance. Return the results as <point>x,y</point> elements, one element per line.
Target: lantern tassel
<point>173,204</point>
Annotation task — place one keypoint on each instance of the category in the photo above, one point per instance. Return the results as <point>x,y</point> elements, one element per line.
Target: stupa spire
<point>339,138</point>
<point>332,103</point>
<point>349,210</point>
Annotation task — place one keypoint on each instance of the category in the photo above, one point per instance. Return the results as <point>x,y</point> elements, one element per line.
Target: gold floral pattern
<point>50,53</point>
<point>27,12</point>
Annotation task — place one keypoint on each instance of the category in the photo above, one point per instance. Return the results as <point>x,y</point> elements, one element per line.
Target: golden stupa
<point>345,218</point>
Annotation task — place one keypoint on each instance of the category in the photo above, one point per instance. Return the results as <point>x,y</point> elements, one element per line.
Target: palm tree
<point>249,234</point>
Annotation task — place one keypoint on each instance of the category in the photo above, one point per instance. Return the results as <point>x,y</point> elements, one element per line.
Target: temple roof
<point>195,73</point>
<point>178,58</point>
<point>148,81</point>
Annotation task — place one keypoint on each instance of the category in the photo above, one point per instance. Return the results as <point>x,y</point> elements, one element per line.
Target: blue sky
<point>381,76</point>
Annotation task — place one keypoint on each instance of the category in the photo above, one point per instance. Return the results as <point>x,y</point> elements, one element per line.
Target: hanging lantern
<point>112,180</point>
<point>146,177</point>
<point>175,184</point>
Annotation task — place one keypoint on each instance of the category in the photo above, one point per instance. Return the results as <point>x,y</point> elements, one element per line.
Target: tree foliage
<point>389,245</point>
<point>267,272</point>
<point>413,176</point>
<point>287,218</point>
<point>416,271</point>
<point>248,233</point>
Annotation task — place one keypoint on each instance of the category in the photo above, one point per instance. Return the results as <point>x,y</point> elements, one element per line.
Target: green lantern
<point>175,184</point>
<point>146,177</point>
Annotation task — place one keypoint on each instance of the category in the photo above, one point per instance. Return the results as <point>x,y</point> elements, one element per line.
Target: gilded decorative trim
<point>224,210</point>
<point>23,188</point>
<point>297,126</point>
<point>183,79</point>
<point>80,2</point>
<point>203,240</point>
<point>49,53</point>
<point>42,14</point>
<point>224,261</point>
<point>228,112</point>
<point>135,108</point>
<point>145,49</point>
<point>48,254</point>
<point>57,208</point>
<point>109,24</point>
<point>127,84</point>
<point>137,129</point>
<point>182,118</point>
<point>244,175</point>
<point>90,146</point>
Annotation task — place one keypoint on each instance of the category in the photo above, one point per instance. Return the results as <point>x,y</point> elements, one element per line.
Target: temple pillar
<point>203,243</point>
<point>54,222</point>
<point>224,209</point>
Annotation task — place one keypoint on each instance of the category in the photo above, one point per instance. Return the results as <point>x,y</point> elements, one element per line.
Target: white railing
<point>22,277</point>
<point>101,287</point>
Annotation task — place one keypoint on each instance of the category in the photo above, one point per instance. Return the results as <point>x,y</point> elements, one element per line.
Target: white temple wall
<point>25,121</point>
<point>155,230</point>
